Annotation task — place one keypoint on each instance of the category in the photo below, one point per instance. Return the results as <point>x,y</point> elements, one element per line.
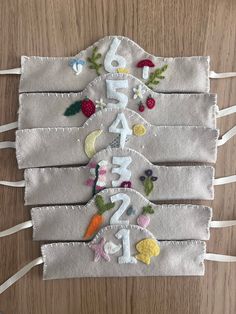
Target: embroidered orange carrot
<point>97,219</point>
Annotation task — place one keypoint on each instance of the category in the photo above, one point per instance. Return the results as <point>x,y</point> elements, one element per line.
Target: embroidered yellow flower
<point>122,70</point>
<point>139,129</point>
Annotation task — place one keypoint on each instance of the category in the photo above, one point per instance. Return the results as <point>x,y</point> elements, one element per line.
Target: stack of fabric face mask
<point>100,123</point>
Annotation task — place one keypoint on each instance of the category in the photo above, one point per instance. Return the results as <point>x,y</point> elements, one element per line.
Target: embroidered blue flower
<point>77,65</point>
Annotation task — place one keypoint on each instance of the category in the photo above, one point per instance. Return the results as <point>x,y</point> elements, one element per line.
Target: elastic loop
<point>225,180</point>
<point>17,184</point>
<point>11,71</point>
<point>8,127</point>
<point>222,224</point>
<point>9,282</point>
<point>7,144</point>
<point>226,111</point>
<point>220,258</point>
<point>24,225</point>
<point>213,74</point>
<point>227,136</point>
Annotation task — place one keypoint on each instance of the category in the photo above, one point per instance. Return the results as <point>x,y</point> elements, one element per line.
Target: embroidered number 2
<point>112,61</point>
<point>112,86</point>
<point>114,220</point>
<point>124,130</point>
<point>125,258</point>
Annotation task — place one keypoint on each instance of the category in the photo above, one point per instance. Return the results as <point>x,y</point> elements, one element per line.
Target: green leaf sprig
<point>156,76</point>
<point>102,207</point>
<point>93,60</point>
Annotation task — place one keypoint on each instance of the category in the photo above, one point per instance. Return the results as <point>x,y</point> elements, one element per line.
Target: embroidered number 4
<point>114,220</point>
<point>124,130</point>
<point>112,86</point>
<point>125,258</point>
<point>112,61</point>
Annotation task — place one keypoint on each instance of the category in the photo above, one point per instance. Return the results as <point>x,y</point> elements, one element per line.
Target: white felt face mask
<point>115,54</point>
<point>121,251</point>
<point>118,168</point>
<point>124,207</point>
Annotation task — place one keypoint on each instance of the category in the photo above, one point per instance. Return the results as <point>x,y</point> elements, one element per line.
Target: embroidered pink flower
<point>126,184</point>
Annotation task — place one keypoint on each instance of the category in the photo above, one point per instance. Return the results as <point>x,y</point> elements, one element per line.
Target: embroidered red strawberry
<point>150,102</point>
<point>87,107</point>
<point>141,107</point>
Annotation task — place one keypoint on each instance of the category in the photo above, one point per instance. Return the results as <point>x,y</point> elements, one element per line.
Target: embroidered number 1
<point>112,86</point>
<point>124,130</point>
<point>114,220</point>
<point>125,258</point>
<point>112,61</point>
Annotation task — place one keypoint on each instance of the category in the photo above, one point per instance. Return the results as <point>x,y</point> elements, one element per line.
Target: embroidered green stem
<point>156,76</point>
<point>93,60</point>
<point>148,209</point>
<point>148,185</point>
<point>102,207</point>
<point>96,179</point>
<point>73,109</point>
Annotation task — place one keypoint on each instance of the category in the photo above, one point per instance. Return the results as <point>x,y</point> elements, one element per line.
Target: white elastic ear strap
<point>227,136</point>
<point>215,75</point>
<point>7,144</point>
<point>226,112</point>
<point>220,258</point>
<point>20,274</point>
<point>22,226</point>
<point>16,184</point>
<point>11,71</point>
<point>8,127</point>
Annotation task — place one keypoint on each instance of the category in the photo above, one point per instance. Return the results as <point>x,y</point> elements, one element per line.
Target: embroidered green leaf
<point>93,60</point>
<point>102,207</point>
<point>148,186</point>
<point>148,209</point>
<point>73,108</point>
<point>156,76</point>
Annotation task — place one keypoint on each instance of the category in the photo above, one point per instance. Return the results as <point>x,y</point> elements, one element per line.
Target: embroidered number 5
<point>125,258</point>
<point>112,86</point>
<point>112,57</point>
<point>114,220</point>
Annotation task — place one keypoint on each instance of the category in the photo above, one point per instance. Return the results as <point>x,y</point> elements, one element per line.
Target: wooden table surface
<point>165,28</point>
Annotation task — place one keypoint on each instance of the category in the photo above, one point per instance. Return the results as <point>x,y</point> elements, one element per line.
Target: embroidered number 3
<point>114,220</point>
<point>125,258</point>
<point>112,61</point>
<point>112,86</point>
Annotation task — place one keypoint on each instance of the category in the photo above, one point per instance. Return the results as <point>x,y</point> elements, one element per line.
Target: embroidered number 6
<point>112,57</point>
<point>114,220</point>
<point>112,86</point>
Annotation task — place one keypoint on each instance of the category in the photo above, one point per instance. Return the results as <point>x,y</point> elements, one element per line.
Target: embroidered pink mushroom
<point>145,64</point>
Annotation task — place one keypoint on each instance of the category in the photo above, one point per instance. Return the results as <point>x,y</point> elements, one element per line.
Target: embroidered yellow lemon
<point>122,70</point>
<point>89,144</point>
<point>147,248</point>
<point>139,129</point>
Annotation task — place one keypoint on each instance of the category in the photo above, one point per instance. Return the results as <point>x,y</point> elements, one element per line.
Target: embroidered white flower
<point>138,92</point>
<point>100,104</point>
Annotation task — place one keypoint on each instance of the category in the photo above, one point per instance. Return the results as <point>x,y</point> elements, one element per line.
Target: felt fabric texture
<point>68,185</point>
<point>74,260</point>
<point>67,146</point>
<point>184,74</point>
<point>41,110</point>
<point>168,222</point>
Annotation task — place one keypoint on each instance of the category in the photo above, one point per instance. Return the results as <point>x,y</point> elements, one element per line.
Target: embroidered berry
<point>141,107</point>
<point>143,221</point>
<point>150,102</point>
<point>88,108</point>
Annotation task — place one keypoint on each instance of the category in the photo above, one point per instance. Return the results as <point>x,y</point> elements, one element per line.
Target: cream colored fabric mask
<point>120,206</point>
<point>110,55</point>
<point>121,251</point>
<point>118,168</point>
